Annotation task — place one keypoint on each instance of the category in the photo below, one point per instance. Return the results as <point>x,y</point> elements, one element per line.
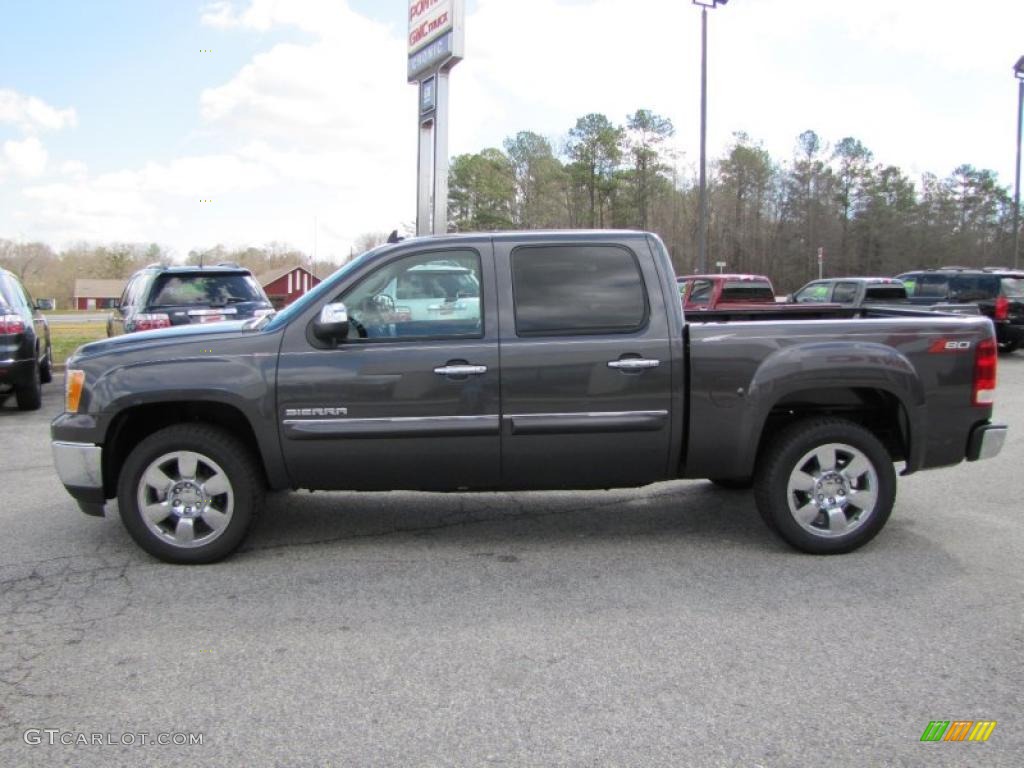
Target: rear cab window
<point>747,290</point>
<point>577,289</point>
<point>885,293</point>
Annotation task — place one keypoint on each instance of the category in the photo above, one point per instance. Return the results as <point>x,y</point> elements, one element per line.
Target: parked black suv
<point>998,292</point>
<point>159,297</point>
<point>26,358</point>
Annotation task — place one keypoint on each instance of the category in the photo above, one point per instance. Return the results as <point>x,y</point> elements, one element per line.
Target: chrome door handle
<point>460,370</point>
<point>633,364</point>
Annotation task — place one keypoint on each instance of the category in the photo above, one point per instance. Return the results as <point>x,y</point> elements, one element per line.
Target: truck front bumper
<point>80,468</point>
<point>986,441</point>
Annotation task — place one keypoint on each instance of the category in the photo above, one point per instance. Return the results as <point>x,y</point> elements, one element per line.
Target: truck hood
<point>163,336</point>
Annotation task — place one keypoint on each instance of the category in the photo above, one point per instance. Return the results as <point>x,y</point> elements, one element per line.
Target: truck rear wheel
<point>826,485</point>
<point>188,493</point>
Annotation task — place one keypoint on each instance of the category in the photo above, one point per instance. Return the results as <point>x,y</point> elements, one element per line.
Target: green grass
<point>67,337</point>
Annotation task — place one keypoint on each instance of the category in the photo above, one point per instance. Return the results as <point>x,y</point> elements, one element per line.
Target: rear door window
<point>973,287</point>
<point>845,293</point>
<point>577,289</point>
<point>928,286</point>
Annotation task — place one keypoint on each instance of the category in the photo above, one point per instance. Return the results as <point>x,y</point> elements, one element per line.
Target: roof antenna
<point>394,238</point>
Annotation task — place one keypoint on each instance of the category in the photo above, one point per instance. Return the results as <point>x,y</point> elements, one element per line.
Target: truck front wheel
<point>188,493</point>
<point>825,485</point>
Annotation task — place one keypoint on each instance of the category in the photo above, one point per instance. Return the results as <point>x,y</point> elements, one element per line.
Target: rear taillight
<point>151,322</point>
<point>984,390</point>
<point>1002,308</point>
<point>11,324</point>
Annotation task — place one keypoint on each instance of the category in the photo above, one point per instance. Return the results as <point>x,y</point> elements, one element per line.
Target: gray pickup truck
<point>519,361</point>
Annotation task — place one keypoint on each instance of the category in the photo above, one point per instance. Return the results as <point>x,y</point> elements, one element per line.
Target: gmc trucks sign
<point>435,34</point>
<point>428,19</point>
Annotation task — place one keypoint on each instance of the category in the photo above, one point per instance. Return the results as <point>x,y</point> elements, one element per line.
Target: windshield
<point>175,290</point>
<point>298,306</point>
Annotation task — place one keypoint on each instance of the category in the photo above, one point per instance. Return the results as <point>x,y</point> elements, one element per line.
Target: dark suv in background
<point>26,358</point>
<point>159,297</point>
<point>998,292</point>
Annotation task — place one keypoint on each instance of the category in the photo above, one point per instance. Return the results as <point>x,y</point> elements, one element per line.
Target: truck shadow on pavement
<point>682,511</point>
<point>695,510</point>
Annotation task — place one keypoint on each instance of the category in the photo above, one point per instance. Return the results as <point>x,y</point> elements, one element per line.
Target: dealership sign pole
<point>436,44</point>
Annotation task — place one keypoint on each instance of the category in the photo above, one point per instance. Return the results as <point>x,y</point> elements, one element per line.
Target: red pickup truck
<point>700,292</point>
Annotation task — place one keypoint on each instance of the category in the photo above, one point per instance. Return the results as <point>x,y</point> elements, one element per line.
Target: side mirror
<point>332,324</point>
<point>790,299</point>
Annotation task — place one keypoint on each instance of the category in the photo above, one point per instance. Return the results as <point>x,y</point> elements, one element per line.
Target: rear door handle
<point>460,370</point>
<point>633,364</point>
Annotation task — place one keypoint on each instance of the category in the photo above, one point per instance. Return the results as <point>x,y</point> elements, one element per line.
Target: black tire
<point>46,366</point>
<point>216,449</point>
<point>838,523</point>
<point>1006,347</point>
<point>29,395</point>
<point>733,483</point>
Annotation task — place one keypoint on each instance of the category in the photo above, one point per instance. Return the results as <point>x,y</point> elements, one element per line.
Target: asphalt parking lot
<point>664,626</point>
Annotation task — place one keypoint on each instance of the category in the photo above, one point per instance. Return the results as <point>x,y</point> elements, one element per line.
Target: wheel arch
<point>133,424</point>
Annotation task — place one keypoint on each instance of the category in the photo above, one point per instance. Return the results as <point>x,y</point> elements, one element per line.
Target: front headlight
<point>74,383</point>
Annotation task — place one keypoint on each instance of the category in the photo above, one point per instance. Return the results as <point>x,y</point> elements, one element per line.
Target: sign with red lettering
<point>435,35</point>
<point>428,20</point>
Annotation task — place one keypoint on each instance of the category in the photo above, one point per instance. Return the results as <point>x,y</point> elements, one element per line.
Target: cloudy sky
<point>117,118</point>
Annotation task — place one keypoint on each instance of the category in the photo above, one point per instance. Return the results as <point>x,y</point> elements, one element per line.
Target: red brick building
<point>285,285</point>
<point>97,294</point>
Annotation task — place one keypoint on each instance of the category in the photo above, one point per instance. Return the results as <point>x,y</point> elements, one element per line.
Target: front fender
<point>244,382</point>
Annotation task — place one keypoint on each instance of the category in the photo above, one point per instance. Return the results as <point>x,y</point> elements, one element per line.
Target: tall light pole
<point>1018,71</point>
<point>702,247</point>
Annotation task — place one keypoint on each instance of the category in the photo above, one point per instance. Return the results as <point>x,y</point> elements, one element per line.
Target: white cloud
<point>75,169</point>
<point>27,158</point>
<point>325,125</point>
<point>30,113</point>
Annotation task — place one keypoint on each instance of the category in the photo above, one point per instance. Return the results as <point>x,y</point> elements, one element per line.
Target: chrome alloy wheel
<point>832,490</point>
<point>185,499</point>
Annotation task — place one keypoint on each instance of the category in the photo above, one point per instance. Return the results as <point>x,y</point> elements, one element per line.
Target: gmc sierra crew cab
<point>541,360</point>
